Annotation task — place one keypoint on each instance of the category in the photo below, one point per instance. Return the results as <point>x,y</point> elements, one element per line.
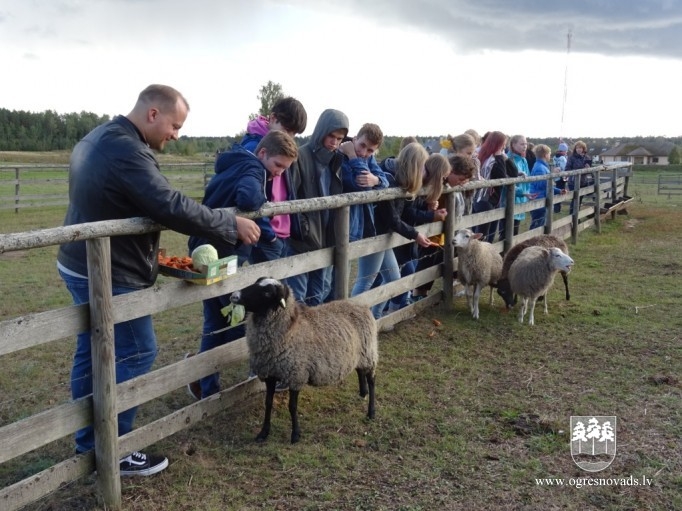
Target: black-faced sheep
<point>478,265</point>
<point>298,345</point>
<point>532,274</point>
<point>545,240</point>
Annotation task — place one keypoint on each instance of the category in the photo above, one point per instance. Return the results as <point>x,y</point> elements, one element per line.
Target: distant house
<point>646,153</point>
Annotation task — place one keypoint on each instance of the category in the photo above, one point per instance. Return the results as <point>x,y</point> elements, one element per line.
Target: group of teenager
<point>114,174</point>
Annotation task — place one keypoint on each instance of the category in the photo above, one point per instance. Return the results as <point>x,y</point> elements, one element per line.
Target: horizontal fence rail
<point>104,310</point>
<point>33,186</point>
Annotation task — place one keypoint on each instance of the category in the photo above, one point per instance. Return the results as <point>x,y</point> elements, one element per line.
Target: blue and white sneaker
<point>141,464</point>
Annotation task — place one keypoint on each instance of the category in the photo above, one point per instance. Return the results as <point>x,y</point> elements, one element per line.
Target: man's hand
<point>367,179</point>
<point>247,231</point>
<point>348,148</point>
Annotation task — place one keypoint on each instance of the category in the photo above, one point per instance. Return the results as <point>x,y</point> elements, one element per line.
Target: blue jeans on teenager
<point>538,218</point>
<point>134,350</point>
<point>269,251</point>
<point>216,332</point>
<point>312,287</point>
<point>369,267</point>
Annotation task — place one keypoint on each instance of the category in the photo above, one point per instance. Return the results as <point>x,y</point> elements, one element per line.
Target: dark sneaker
<point>193,387</point>
<point>140,464</point>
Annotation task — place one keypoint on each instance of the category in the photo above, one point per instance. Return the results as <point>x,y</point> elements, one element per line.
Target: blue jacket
<point>239,181</point>
<point>361,215</point>
<point>541,168</point>
<point>250,142</point>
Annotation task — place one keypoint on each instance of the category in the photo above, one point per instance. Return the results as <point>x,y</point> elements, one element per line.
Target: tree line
<point>50,131</point>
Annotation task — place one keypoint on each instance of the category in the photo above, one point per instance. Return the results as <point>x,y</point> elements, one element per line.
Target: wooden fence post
<point>597,202</point>
<point>342,244</point>
<point>449,249</point>
<point>549,205</point>
<point>509,218</point>
<point>104,371</point>
<point>16,190</point>
<point>575,207</point>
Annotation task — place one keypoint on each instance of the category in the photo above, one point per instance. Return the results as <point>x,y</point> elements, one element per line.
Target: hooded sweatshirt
<point>239,181</point>
<point>317,173</point>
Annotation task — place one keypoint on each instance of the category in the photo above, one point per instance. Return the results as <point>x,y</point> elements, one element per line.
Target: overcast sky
<point>415,67</point>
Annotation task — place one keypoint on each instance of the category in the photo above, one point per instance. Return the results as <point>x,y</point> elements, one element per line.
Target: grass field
<point>470,414</point>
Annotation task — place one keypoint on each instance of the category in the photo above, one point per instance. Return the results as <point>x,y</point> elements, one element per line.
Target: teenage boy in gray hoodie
<point>316,173</point>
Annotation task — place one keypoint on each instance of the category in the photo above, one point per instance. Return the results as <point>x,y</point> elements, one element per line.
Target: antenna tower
<point>569,36</point>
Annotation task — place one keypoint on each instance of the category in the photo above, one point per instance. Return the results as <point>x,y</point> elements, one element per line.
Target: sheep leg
<point>564,276</point>
<point>531,316</point>
<point>522,310</point>
<point>468,292</point>
<point>293,411</point>
<point>371,378</point>
<point>546,311</point>
<point>270,384</point>
<point>491,296</point>
<point>363,382</point>
<point>477,296</point>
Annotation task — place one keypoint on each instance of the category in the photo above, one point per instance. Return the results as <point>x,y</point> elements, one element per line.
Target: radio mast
<point>569,35</point>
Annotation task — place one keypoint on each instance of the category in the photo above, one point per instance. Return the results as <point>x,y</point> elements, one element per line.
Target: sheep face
<point>560,260</point>
<point>464,236</point>
<point>504,290</point>
<point>264,295</point>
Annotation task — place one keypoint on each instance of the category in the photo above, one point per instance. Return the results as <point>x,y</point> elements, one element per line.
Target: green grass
<point>469,413</point>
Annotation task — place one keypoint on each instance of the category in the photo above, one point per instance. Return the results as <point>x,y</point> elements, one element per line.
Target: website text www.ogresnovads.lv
<point>580,482</point>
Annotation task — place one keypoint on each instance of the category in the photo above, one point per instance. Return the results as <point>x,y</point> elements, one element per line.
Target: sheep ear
<point>283,303</point>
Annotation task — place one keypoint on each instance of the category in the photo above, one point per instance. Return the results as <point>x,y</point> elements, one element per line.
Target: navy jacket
<point>239,181</point>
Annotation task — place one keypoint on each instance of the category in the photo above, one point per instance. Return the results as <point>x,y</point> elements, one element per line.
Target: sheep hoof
<point>295,437</point>
<point>262,437</point>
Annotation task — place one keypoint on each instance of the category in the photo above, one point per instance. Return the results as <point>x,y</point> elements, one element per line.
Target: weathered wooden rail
<point>28,186</point>
<point>104,310</point>
<point>669,184</point>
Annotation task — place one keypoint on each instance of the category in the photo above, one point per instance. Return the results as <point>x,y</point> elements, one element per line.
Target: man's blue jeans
<point>369,267</point>
<point>134,349</point>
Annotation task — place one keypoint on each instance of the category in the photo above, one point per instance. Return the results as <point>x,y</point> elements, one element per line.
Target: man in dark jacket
<point>316,173</point>
<point>114,174</point>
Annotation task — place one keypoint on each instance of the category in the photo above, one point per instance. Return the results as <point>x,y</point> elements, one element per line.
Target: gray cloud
<point>608,27</point>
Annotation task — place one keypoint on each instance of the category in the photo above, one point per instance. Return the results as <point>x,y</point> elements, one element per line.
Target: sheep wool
<point>544,240</point>
<point>478,265</point>
<point>532,274</point>
<point>298,345</point>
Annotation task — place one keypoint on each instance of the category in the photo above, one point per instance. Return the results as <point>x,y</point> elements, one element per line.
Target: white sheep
<point>478,265</point>
<point>544,240</point>
<point>298,345</point>
<point>532,274</point>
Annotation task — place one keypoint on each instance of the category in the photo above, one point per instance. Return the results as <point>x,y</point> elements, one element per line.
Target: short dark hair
<point>163,95</point>
<point>372,133</point>
<point>278,143</point>
<point>462,166</point>
<point>291,114</point>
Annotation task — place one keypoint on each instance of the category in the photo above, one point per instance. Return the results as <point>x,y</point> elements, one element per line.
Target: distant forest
<point>50,131</point>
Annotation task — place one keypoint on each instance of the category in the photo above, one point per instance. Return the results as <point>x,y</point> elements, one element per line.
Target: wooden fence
<point>669,184</point>
<point>34,186</point>
<point>104,311</point>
